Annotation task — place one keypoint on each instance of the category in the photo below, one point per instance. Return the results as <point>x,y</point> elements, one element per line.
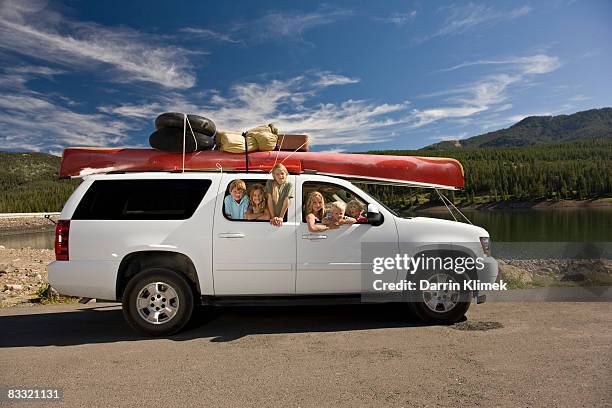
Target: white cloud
<point>579,98</point>
<point>517,118</point>
<point>16,77</point>
<point>207,34</point>
<point>469,100</point>
<point>444,138</point>
<point>293,24</point>
<point>461,19</point>
<point>30,121</point>
<point>398,19</point>
<point>28,28</point>
<point>335,150</point>
<point>329,79</point>
<point>489,93</point>
<point>146,111</point>
<point>287,104</point>
<point>504,107</point>
<point>427,116</point>
<point>534,64</point>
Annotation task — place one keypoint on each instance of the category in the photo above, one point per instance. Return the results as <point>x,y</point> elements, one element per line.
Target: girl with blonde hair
<point>315,211</point>
<point>278,191</point>
<point>258,208</point>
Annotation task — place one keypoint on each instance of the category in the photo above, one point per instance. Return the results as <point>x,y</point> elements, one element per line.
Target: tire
<point>171,140</point>
<point>440,307</point>
<point>199,124</point>
<point>173,302</point>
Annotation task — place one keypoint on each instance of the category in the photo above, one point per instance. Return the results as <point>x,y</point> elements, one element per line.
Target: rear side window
<point>141,199</point>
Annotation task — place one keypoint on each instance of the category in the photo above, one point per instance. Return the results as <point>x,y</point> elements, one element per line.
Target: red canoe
<point>405,170</point>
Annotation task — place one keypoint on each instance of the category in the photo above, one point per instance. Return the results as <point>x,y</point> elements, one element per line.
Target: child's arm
<point>278,220</point>
<point>249,214</point>
<point>312,226</point>
<point>226,204</point>
<point>348,220</point>
<point>274,220</point>
<point>330,224</point>
<point>270,206</point>
<point>264,216</point>
<point>284,209</point>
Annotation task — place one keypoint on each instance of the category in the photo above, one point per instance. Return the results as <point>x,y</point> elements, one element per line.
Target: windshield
<point>387,208</point>
<point>370,196</point>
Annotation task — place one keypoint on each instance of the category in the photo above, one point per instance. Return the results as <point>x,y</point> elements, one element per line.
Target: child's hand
<point>276,221</point>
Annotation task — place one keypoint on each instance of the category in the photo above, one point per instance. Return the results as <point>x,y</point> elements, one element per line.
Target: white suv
<point>161,242</point>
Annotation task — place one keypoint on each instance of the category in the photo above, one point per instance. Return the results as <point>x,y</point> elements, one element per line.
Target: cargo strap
<point>185,123</point>
<point>246,151</point>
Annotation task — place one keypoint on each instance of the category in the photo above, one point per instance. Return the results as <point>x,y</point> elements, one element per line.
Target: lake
<point>38,240</point>
<point>577,225</point>
<point>562,225</point>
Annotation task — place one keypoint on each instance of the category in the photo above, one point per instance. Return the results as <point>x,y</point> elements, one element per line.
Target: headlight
<point>486,245</point>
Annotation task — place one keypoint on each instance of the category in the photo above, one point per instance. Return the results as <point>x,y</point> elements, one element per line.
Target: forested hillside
<point>29,183</point>
<point>570,170</point>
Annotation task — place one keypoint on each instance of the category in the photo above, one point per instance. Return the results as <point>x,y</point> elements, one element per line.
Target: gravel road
<point>544,354</point>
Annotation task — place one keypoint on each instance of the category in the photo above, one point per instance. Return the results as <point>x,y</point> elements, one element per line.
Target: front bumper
<point>488,274</point>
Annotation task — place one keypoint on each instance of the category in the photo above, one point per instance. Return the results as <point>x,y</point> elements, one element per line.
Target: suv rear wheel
<point>158,301</point>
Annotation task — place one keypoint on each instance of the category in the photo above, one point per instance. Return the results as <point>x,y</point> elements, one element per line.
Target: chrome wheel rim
<point>441,301</point>
<point>157,303</point>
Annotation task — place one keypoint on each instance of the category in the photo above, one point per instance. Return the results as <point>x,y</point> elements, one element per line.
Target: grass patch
<point>47,297</point>
<point>515,282</point>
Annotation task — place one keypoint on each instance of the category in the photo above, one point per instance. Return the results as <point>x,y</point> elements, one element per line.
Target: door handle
<point>314,237</point>
<point>231,235</point>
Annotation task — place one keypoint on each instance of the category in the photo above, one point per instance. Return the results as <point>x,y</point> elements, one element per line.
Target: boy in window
<point>236,202</point>
<point>335,218</point>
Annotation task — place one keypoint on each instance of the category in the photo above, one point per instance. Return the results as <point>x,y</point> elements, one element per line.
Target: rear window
<point>141,199</point>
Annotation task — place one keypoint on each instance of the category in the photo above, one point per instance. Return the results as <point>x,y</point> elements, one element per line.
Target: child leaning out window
<point>278,192</point>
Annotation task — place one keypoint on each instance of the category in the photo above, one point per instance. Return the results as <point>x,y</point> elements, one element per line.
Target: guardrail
<point>26,215</point>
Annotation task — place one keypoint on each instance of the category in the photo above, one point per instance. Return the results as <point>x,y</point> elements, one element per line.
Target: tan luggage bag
<point>233,142</point>
<point>265,135</point>
<point>292,142</point>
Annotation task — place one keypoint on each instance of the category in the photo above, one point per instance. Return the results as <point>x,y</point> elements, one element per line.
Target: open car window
<point>250,185</point>
<point>333,192</point>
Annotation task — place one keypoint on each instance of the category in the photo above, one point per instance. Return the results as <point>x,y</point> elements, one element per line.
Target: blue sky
<point>354,75</point>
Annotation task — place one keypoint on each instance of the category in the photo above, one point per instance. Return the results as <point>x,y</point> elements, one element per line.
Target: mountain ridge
<point>536,130</point>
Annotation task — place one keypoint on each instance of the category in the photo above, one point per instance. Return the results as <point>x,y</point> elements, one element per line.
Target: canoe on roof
<point>385,169</point>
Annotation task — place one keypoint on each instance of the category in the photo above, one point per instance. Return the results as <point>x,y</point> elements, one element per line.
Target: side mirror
<point>374,216</point>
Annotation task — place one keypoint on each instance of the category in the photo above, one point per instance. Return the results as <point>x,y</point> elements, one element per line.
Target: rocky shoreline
<point>20,225</point>
<point>23,272</point>
<point>555,272</point>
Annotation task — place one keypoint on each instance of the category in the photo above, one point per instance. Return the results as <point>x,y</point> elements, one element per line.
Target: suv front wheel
<point>441,306</point>
<point>158,301</point>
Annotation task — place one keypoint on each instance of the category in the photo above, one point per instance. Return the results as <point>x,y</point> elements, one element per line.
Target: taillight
<point>61,240</point>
